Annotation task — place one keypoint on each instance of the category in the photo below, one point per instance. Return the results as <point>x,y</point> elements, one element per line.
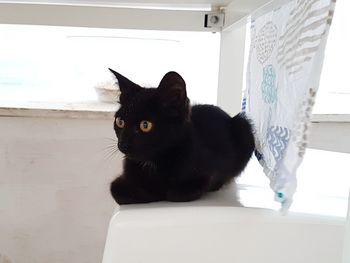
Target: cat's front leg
<point>125,191</point>
<point>187,190</point>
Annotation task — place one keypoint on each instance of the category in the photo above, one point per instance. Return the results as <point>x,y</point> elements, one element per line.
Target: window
<point>63,64</point>
<point>334,92</point>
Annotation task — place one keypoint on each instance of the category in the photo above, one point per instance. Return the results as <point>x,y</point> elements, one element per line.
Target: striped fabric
<point>285,63</point>
<point>304,31</point>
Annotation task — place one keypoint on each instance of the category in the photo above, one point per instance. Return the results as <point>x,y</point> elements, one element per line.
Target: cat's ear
<point>172,89</point>
<point>126,86</point>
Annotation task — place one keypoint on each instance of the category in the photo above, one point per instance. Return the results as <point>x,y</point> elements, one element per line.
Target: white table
<point>217,230</point>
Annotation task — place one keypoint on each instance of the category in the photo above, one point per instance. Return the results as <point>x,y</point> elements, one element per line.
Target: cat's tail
<point>243,137</point>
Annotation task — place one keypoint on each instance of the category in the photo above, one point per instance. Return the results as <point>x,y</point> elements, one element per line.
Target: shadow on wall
<point>5,259</point>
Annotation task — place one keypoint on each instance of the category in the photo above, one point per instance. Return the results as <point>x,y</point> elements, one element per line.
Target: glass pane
<point>41,63</point>
<point>334,93</point>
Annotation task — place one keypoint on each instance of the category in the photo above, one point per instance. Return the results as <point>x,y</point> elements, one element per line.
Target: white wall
<point>231,69</point>
<point>54,189</point>
<point>54,199</point>
<point>346,249</point>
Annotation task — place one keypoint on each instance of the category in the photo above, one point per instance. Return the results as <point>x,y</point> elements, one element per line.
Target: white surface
<point>331,118</point>
<point>346,251</point>
<point>102,17</point>
<point>323,185</point>
<point>127,2</point>
<point>200,232</point>
<point>54,189</point>
<point>83,110</point>
<point>231,69</point>
<point>54,199</point>
<point>330,136</point>
<point>164,15</point>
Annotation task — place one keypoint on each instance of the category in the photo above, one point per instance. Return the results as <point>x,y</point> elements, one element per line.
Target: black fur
<point>188,152</point>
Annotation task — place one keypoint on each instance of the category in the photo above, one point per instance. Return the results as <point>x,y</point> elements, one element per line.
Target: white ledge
<point>75,110</point>
<point>214,230</point>
<point>330,118</point>
<point>101,110</point>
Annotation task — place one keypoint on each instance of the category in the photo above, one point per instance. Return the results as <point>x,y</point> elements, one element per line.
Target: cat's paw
<point>121,191</point>
<point>177,196</point>
<point>125,192</point>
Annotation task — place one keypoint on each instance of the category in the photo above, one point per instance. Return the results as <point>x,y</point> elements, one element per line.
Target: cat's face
<point>150,120</point>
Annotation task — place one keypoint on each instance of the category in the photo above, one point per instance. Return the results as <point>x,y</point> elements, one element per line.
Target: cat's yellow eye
<point>120,123</point>
<point>146,126</point>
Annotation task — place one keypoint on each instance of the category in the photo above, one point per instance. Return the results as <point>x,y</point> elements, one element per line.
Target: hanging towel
<point>284,67</point>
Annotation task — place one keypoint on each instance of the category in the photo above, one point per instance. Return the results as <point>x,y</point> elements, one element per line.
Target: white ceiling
<point>194,4</point>
<point>34,12</point>
<point>182,2</point>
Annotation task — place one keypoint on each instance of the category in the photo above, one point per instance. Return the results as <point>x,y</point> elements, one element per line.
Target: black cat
<point>173,151</point>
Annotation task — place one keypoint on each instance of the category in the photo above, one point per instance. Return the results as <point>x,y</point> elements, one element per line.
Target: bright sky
<point>334,91</point>
<point>40,63</point>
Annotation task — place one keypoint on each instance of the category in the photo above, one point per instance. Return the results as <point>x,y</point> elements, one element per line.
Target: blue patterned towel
<point>285,63</point>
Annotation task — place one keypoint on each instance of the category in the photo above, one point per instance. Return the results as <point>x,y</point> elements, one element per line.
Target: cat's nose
<point>124,147</point>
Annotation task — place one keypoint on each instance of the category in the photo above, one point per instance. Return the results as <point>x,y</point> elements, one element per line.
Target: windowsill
<point>75,110</point>
<point>316,118</point>
<point>99,110</point>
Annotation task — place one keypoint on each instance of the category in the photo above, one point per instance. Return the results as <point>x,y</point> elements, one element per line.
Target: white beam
<point>231,69</point>
<point>102,17</point>
<point>140,4</point>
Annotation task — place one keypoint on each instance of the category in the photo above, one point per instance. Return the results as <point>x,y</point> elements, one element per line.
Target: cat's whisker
<point>112,154</point>
<point>110,151</point>
<point>113,146</point>
<point>109,146</point>
<point>110,139</point>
